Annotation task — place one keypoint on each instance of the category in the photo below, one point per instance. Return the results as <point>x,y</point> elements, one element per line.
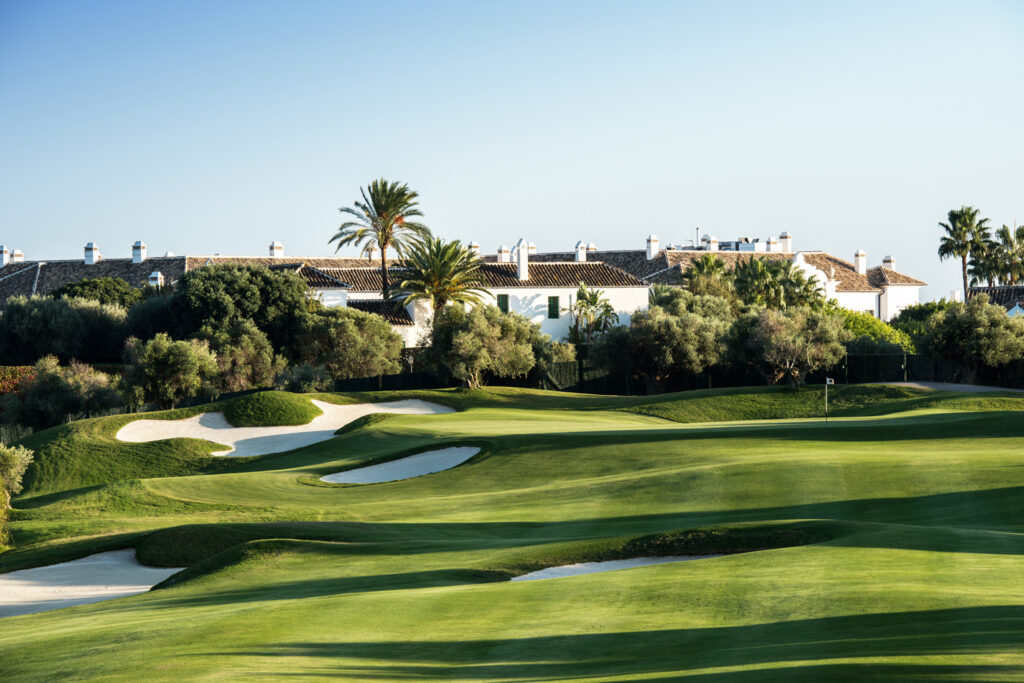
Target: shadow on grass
<point>801,647</point>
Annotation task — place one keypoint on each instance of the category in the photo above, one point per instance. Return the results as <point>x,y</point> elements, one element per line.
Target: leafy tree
<point>14,460</point>
<point>977,334</point>
<point>441,272</point>
<point>789,344</point>
<point>592,314</point>
<point>245,357</point>
<point>31,328</point>
<point>151,316</point>
<point>350,343</point>
<point>709,275</point>
<point>221,296</point>
<point>470,345</point>
<point>678,301</point>
<point>382,219</point>
<point>964,233</point>
<point>54,393</point>
<point>106,290</point>
<point>868,332</point>
<point>659,343</point>
<point>164,371</point>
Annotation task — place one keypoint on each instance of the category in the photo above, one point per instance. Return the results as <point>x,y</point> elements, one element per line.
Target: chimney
<point>786,242</point>
<point>773,244</point>
<point>503,253</point>
<point>860,262</point>
<point>712,243</point>
<point>276,249</point>
<point>523,260</point>
<point>17,256</point>
<point>889,263</point>
<point>474,248</point>
<point>92,254</point>
<point>156,279</point>
<point>581,251</point>
<point>652,247</point>
<point>5,256</point>
<point>371,251</point>
<point>531,248</point>
<point>591,247</point>
<point>139,252</point>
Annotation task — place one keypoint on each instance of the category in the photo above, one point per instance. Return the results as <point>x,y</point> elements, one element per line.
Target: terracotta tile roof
<point>392,312</point>
<point>1007,296</point>
<point>42,277</point>
<point>314,277</point>
<point>843,271</point>
<point>503,275</point>
<point>880,276</point>
<point>633,261</point>
<point>312,261</point>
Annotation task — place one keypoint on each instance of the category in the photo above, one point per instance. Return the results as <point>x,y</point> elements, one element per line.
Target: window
<point>503,303</point>
<point>553,308</point>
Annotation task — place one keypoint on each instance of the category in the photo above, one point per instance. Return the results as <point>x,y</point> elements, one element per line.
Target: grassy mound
<point>270,409</point>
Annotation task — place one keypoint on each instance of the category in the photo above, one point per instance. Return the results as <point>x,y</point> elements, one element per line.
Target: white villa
<point>540,286</point>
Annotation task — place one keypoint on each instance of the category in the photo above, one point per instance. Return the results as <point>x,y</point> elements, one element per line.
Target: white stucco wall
<point>895,298</point>
<point>333,298</point>
<point>533,304</point>
<point>858,301</point>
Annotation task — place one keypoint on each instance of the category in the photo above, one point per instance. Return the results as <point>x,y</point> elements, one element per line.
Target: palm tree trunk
<point>384,272</point>
<point>963,263</point>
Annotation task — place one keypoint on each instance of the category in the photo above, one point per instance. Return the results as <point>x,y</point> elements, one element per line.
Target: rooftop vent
<point>474,248</point>
<point>17,256</point>
<point>276,249</point>
<point>139,252</point>
<point>652,247</point>
<point>889,263</point>
<point>591,247</point>
<point>504,253</point>
<point>581,251</point>
<point>92,254</point>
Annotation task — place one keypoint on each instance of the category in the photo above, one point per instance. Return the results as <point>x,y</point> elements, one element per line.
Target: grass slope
<point>270,408</point>
<point>887,544</point>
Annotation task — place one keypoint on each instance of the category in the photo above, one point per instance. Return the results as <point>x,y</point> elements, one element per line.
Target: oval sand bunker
<point>606,566</point>
<point>103,576</point>
<point>265,440</point>
<point>405,468</point>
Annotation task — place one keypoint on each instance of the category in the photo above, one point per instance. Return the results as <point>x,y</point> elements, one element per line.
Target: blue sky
<point>206,127</point>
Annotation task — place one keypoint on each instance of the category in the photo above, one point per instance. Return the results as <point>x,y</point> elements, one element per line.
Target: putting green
<point>887,544</point>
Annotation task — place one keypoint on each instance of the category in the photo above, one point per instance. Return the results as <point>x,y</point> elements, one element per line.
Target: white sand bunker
<point>104,576</point>
<point>264,440</point>
<point>606,566</point>
<point>406,468</point>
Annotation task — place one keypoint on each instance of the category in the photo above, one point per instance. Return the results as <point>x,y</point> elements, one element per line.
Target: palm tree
<point>381,219</point>
<point>1009,253</point>
<point>964,233</point>
<point>708,275</point>
<point>592,314</point>
<point>797,288</point>
<point>441,273</point>
<point>987,263</point>
<point>758,283</point>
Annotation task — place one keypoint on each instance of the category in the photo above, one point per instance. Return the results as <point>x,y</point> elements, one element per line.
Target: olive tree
<point>786,345</point>
<point>14,460</point>
<point>349,343</point>
<point>165,371</point>
<point>55,392</point>
<point>470,345</point>
<point>977,334</point>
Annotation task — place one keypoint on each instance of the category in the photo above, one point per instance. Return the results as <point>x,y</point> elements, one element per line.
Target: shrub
<point>865,328</point>
<point>13,376</point>
<point>14,460</point>
<point>914,320</point>
<point>150,317</point>
<point>106,290</point>
<point>976,334</point>
<point>349,343</point>
<point>54,393</point>
<point>469,345</point>
<point>66,328</point>
<point>305,378</point>
<point>270,408</point>
<point>164,371</point>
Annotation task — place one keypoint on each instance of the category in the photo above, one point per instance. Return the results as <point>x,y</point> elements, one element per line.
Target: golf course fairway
<point>887,544</point>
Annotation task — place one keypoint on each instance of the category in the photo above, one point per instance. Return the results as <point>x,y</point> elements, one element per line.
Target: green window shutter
<point>503,303</point>
<point>553,308</point>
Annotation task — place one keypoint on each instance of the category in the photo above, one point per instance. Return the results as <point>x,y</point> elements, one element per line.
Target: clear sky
<point>216,126</point>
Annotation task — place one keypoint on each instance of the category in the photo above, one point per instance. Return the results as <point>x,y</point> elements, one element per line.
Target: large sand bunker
<point>103,576</point>
<point>264,440</point>
<point>406,468</point>
<point>606,566</point>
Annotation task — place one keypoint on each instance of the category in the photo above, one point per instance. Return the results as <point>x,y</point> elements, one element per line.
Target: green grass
<point>270,408</point>
<point>887,544</point>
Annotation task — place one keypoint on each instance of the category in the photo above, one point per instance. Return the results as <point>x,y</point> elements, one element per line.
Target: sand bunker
<point>264,440</point>
<point>406,468</point>
<point>104,576</point>
<point>607,566</point>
